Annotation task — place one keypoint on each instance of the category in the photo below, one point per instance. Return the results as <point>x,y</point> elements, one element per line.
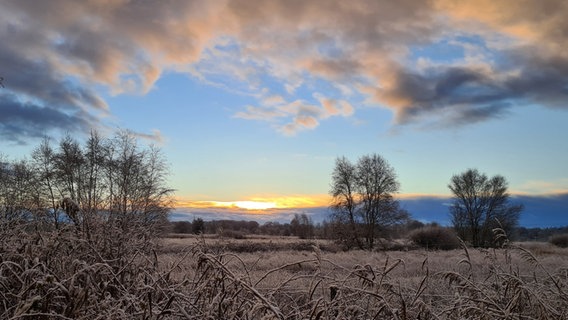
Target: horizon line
<point>263,203</point>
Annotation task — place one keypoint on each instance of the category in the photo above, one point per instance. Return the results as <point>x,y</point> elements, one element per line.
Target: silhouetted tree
<point>481,204</point>
<point>116,188</point>
<point>197,226</point>
<point>44,165</point>
<point>275,228</point>
<point>414,224</point>
<point>344,205</point>
<point>302,226</point>
<point>181,227</point>
<point>363,199</point>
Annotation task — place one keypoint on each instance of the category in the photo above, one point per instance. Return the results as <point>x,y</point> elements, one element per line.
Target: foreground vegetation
<point>59,276</point>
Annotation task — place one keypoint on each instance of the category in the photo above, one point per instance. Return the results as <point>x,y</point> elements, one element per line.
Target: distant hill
<point>539,211</point>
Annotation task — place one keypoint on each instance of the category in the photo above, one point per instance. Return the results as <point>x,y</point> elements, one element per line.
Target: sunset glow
<point>261,203</point>
<point>249,205</point>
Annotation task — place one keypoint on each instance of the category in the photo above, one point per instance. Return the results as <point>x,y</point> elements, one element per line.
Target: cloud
<point>543,188</point>
<point>461,95</point>
<point>37,98</point>
<point>274,99</point>
<point>63,55</point>
<point>23,120</point>
<point>333,107</point>
<point>54,55</point>
<point>260,113</point>
<point>293,117</point>
<point>156,136</point>
<point>511,54</point>
<point>262,208</point>
<point>274,215</point>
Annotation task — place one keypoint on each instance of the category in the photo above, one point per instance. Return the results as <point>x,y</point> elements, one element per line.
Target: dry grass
<point>56,276</point>
<point>460,284</point>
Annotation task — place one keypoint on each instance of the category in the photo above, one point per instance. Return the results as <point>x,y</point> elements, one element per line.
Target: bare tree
<point>137,199</point>
<point>198,226</point>
<point>302,226</point>
<point>117,189</point>
<point>377,183</point>
<point>68,162</point>
<point>19,193</point>
<point>344,205</point>
<point>93,186</point>
<point>363,197</point>
<point>481,204</point>
<point>44,165</point>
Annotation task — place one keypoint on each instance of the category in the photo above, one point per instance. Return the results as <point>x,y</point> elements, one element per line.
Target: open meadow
<point>289,278</point>
<point>61,275</point>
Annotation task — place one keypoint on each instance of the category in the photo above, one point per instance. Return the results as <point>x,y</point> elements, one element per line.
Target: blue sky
<point>253,100</point>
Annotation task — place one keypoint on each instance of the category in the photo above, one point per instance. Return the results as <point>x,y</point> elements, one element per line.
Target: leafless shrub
<point>435,238</point>
<point>233,234</point>
<point>559,240</point>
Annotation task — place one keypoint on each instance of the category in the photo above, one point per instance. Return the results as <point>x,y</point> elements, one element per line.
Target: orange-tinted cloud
<point>513,53</point>
<point>262,202</point>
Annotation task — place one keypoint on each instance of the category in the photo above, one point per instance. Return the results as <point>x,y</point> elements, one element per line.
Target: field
<point>301,279</point>
<point>61,275</point>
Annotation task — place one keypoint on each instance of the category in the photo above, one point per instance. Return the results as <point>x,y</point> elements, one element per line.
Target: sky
<point>252,101</point>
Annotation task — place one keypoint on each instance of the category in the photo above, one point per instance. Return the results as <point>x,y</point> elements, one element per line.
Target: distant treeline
<point>241,228</point>
<point>300,226</point>
<point>538,234</point>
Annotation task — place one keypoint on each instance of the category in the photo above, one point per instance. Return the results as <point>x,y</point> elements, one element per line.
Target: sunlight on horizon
<point>261,203</point>
<point>254,205</point>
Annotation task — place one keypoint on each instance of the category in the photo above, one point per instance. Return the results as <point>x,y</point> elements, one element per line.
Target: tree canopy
<point>108,192</point>
<point>481,204</point>
<point>363,199</point>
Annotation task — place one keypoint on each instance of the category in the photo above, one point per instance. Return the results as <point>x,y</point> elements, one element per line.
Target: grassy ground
<point>64,275</point>
<point>526,280</point>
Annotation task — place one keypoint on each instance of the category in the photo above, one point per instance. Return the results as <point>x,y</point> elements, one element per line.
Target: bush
<point>436,238</point>
<point>559,240</point>
<point>181,227</point>
<point>235,234</point>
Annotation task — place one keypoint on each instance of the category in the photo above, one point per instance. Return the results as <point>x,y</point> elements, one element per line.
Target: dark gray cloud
<point>40,80</point>
<point>543,78</point>
<point>39,98</point>
<point>466,95</point>
<point>36,101</point>
<point>20,121</point>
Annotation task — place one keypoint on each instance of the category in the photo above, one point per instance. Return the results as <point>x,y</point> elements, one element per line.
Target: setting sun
<point>261,203</point>
<point>254,205</point>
